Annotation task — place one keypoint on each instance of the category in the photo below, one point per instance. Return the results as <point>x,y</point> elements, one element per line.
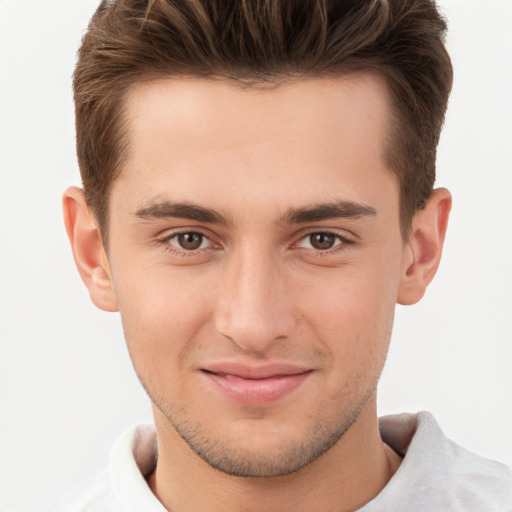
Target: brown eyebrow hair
<point>188,211</point>
<point>315,213</point>
<point>327,211</point>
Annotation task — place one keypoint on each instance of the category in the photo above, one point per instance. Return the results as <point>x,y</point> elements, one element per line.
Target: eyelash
<point>343,245</point>
<point>165,243</point>
<point>340,247</point>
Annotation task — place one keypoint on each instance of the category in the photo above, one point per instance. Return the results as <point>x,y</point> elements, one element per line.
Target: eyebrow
<point>315,213</point>
<point>169,209</point>
<point>328,211</point>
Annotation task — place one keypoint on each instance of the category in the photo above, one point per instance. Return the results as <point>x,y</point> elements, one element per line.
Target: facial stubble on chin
<point>280,461</point>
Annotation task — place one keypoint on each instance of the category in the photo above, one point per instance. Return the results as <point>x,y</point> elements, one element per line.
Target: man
<point>258,195</point>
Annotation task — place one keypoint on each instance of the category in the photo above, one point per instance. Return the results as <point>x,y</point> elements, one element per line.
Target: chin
<point>259,450</point>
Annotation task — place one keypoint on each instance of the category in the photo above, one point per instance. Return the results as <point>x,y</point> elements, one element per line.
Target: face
<point>255,253</point>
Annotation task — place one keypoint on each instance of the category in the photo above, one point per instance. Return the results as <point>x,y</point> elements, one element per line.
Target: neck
<point>348,475</point>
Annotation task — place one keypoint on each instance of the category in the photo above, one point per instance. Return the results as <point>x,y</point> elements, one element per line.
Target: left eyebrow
<point>329,211</point>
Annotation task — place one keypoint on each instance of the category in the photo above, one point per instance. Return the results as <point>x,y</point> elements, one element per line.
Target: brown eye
<point>190,241</point>
<point>322,241</point>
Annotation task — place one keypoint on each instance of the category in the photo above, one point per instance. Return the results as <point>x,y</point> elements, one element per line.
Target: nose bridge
<point>253,308</point>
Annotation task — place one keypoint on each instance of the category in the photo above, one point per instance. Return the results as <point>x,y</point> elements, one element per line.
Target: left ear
<point>424,247</point>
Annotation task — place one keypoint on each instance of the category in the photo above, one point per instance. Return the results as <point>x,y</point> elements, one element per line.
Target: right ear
<point>88,251</point>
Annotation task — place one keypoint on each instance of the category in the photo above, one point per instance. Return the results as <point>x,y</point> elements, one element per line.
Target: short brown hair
<point>259,42</point>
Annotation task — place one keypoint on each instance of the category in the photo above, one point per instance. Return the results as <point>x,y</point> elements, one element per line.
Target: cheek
<point>352,314</point>
<point>162,314</point>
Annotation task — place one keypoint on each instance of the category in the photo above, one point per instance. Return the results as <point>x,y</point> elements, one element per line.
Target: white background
<point>67,389</point>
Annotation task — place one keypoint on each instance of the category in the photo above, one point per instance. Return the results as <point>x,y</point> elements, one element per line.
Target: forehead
<point>302,138</point>
<point>200,107</point>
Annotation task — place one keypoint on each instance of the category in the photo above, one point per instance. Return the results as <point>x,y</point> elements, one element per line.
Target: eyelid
<point>328,231</point>
<point>166,236</point>
<point>168,233</point>
<point>343,244</point>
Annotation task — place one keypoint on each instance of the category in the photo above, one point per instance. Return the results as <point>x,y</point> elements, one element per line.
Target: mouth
<point>255,385</point>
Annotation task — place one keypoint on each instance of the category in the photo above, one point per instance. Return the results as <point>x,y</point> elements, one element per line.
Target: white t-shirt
<point>436,475</point>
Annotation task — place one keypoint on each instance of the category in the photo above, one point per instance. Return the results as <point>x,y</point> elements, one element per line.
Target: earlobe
<point>88,250</point>
<point>422,254</point>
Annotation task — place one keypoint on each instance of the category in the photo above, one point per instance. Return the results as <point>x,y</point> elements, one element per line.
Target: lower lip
<point>256,391</point>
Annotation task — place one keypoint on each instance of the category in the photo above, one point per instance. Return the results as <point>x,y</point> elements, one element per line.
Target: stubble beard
<point>289,457</point>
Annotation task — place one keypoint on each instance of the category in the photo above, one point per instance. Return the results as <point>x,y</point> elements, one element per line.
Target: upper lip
<point>246,371</point>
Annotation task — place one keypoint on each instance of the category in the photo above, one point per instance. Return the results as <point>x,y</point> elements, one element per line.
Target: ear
<point>424,247</point>
<point>88,251</point>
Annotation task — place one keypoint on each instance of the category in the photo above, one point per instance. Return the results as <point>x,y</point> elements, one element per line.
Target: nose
<point>254,308</point>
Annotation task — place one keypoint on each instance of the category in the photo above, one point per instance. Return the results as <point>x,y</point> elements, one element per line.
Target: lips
<point>255,385</point>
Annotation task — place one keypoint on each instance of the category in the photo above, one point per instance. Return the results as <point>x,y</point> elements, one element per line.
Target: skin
<point>244,173</point>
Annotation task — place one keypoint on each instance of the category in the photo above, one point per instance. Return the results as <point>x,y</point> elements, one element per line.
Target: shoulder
<point>438,474</point>
<point>122,487</point>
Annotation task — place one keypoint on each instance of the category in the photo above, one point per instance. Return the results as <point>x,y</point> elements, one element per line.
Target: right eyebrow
<point>169,209</point>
